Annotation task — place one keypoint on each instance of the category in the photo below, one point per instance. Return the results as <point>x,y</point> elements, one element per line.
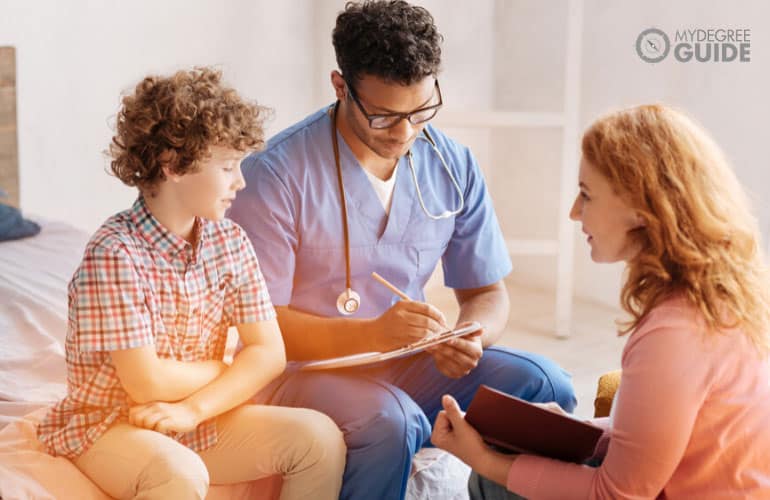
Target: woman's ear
<point>639,221</point>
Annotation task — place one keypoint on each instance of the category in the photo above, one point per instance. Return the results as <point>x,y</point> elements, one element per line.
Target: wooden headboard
<point>9,157</point>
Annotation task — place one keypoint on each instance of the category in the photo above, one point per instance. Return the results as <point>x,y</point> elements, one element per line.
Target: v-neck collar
<point>361,196</point>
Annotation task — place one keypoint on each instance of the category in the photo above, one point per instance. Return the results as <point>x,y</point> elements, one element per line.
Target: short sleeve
<point>107,302</point>
<point>265,210</point>
<point>476,255</point>
<point>252,299</point>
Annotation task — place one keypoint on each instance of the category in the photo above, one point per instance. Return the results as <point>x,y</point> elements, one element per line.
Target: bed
<point>34,273</point>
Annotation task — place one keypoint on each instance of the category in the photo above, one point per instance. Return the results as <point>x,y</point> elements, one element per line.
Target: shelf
<point>498,119</point>
<point>567,122</point>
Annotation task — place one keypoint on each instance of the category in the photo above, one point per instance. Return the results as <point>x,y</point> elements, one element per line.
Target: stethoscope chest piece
<point>348,302</point>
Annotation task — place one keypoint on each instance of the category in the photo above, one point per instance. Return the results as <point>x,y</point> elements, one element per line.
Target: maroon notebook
<point>516,425</point>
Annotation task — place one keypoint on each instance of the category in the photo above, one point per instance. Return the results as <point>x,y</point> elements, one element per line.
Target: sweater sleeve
<point>664,383</point>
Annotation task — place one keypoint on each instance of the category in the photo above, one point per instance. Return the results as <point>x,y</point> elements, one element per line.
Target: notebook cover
<point>516,425</point>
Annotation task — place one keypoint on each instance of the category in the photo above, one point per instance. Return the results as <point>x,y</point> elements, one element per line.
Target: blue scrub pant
<point>385,410</point>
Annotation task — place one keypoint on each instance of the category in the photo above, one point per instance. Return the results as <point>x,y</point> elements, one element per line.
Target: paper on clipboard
<point>374,357</point>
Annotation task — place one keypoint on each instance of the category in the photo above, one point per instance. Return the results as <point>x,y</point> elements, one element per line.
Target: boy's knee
<point>324,439</point>
<point>181,475</point>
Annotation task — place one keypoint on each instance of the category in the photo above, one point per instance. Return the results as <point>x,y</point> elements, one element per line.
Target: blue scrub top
<point>290,209</point>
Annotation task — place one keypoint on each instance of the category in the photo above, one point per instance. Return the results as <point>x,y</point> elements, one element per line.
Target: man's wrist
<point>367,332</point>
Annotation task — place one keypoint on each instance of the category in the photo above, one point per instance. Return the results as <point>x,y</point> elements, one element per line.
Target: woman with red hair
<point>692,416</point>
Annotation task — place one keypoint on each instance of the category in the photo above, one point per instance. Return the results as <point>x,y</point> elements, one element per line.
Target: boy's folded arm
<point>261,360</point>
<point>208,387</point>
<point>146,377</point>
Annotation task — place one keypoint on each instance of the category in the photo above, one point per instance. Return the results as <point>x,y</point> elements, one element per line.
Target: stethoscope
<point>349,301</point>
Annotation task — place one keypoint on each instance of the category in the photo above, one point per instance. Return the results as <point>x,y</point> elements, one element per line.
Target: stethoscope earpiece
<point>348,302</point>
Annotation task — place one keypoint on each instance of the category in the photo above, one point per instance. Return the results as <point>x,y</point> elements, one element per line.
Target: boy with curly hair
<point>152,410</point>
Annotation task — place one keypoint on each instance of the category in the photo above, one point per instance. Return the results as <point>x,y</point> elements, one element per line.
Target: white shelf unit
<point>563,246</point>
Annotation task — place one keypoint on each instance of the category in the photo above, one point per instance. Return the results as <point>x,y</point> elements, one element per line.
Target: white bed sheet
<point>34,273</point>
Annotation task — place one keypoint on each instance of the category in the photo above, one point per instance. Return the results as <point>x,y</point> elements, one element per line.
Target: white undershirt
<point>384,189</point>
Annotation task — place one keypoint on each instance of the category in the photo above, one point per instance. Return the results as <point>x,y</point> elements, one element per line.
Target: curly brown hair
<point>173,121</point>
<point>393,40</point>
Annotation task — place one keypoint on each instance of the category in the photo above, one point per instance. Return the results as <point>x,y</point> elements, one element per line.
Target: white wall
<point>75,58</point>
<point>730,100</point>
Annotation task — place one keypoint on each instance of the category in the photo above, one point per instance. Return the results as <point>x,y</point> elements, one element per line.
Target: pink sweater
<point>691,420</point>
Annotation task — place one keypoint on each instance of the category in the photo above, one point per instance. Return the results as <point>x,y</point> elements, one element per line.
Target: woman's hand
<point>452,433</point>
<point>554,407</point>
<point>164,417</point>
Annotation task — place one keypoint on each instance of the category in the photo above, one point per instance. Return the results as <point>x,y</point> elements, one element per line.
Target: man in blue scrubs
<point>389,55</point>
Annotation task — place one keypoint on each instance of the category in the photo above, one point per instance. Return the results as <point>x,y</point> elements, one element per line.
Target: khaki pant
<point>255,441</point>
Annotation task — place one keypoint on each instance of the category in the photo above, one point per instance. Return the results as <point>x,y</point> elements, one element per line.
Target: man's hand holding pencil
<point>406,322</point>
<point>409,321</point>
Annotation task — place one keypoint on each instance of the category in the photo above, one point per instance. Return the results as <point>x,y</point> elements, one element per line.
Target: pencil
<point>390,286</point>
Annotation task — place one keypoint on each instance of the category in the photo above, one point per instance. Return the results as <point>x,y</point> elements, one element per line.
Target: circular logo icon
<point>652,45</point>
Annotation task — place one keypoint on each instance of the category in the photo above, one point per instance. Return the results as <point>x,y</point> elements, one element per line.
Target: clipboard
<point>374,357</point>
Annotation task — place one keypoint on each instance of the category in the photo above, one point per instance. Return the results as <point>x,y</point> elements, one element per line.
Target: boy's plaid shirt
<point>139,284</point>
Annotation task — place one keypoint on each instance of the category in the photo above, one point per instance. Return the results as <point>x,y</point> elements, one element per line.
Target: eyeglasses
<point>416,117</point>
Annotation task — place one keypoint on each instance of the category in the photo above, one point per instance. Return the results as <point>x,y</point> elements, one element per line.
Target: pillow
<point>13,226</point>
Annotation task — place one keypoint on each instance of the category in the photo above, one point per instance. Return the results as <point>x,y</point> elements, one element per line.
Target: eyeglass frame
<point>402,116</point>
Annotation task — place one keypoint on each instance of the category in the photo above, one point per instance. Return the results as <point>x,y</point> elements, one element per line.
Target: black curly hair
<point>390,39</point>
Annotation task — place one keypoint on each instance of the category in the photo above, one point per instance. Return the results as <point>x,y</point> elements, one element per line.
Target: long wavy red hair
<point>700,237</point>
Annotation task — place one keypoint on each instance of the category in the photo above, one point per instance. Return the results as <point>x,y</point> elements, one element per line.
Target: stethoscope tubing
<point>349,301</point>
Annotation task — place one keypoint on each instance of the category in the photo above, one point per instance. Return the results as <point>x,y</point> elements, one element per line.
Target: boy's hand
<point>164,417</point>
